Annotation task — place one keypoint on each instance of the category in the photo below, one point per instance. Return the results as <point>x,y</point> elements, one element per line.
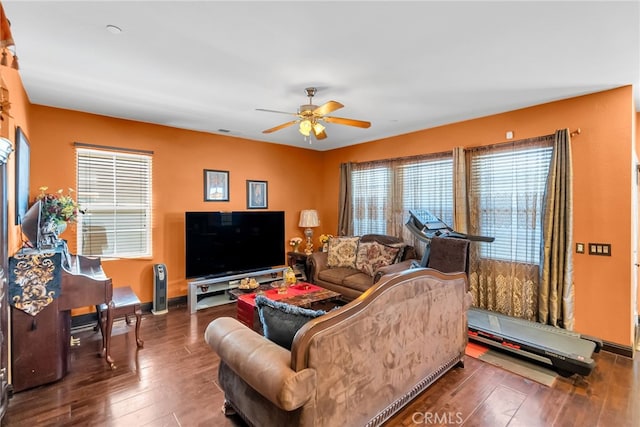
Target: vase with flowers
<point>56,211</point>
<point>295,243</point>
<point>324,241</point>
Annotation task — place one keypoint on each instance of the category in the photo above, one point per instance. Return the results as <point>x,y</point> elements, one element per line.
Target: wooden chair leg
<point>138,313</point>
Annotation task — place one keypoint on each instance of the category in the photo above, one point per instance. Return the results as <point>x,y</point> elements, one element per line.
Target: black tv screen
<point>224,243</point>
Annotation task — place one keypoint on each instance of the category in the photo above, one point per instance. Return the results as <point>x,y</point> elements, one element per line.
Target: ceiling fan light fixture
<point>309,117</point>
<point>305,127</point>
<point>318,128</point>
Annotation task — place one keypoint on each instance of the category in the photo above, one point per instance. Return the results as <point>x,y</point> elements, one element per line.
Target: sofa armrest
<point>317,262</point>
<point>262,364</point>
<point>390,269</point>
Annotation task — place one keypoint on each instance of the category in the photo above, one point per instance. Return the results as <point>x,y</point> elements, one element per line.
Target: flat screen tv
<point>225,243</point>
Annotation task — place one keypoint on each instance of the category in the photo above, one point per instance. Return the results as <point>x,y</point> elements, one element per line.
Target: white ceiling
<point>404,66</point>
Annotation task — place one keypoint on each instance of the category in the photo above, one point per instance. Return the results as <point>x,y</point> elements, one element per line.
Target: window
<point>383,192</point>
<point>429,185</point>
<point>114,190</point>
<point>370,189</point>
<point>506,196</point>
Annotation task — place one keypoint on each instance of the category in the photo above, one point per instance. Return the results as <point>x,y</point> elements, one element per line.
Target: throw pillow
<point>373,255</point>
<point>281,321</point>
<point>342,251</point>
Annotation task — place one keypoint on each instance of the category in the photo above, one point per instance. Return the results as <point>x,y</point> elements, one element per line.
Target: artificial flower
<point>57,207</point>
<point>324,238</point>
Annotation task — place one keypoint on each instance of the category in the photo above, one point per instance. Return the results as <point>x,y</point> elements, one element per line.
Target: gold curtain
<point>459,191</point>
<point>501,278</point>
<point>345,211</point>
<point>556,299</point>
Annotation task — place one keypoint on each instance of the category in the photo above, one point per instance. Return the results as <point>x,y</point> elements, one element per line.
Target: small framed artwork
<point>216,186</point>
<point>257,194</point>
<point>22,175</point>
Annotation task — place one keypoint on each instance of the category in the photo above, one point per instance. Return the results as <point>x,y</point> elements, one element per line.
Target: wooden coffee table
<point>303,295</point>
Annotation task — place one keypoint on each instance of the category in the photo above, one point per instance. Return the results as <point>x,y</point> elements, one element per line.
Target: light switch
<point>603,249</point>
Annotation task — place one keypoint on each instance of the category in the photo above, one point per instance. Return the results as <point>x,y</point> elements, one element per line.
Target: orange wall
<point>179,159</point>
<point>300,179</point>
<point>602,161</point>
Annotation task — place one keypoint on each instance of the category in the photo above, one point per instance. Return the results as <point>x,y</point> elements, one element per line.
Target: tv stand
<point>209,292</point>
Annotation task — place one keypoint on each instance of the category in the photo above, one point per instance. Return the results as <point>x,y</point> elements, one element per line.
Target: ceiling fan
<point>310,117</point>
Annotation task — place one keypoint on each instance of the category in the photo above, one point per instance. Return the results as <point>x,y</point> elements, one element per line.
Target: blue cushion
<point>281,321</point>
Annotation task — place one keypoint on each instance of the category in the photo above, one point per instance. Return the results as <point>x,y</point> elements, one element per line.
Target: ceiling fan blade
<point>348,122</point>
<point>282,126</point>
<point>327,108</point>
<point>276,111</point>
<point>321,135</point>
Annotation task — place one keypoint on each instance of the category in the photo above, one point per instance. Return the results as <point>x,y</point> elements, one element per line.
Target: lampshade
<point>309,218</point>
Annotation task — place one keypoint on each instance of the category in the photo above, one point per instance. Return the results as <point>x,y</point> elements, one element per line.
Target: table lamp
<point>309,219</point>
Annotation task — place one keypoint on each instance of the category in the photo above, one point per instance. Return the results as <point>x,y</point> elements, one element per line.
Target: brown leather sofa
<point>354,366</point>
<point>350,282</point>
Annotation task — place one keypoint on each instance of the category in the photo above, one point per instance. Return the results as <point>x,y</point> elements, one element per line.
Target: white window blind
<point>507,190</point>
<point>429,185</point>
<point>371,189</point>
<point>384,191</point>
<point>114,190</point>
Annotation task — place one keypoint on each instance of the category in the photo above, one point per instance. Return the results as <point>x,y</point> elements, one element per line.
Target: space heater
<point>159,289</point>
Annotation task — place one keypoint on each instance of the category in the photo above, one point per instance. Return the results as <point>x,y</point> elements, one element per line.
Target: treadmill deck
<point>560,347</point>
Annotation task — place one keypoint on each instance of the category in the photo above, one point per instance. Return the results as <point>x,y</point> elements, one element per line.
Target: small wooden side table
<point>298,261</point>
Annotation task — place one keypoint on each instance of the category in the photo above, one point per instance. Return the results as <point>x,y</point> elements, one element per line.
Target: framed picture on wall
<point>216,186</point>
<point>257,194</point>
<point>23,156</point>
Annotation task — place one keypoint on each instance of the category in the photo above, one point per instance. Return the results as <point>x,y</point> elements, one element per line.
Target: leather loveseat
<point>354,366</point>
<point>350,281</point>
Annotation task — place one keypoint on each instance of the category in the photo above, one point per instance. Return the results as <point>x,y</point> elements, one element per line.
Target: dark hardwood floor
<point>172,382</point>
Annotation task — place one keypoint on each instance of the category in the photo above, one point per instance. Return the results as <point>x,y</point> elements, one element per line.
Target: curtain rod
<point>573,133</point>
<point>106,147</point>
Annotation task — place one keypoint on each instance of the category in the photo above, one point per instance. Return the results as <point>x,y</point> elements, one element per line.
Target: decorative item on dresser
<point>56,211</point>
<point>324,241</point>
<point>309,219</point>
<point>295,242</point>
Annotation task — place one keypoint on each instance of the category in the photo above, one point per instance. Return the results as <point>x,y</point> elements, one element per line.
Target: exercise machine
<point>565,351</point>
<point>425,226</point>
